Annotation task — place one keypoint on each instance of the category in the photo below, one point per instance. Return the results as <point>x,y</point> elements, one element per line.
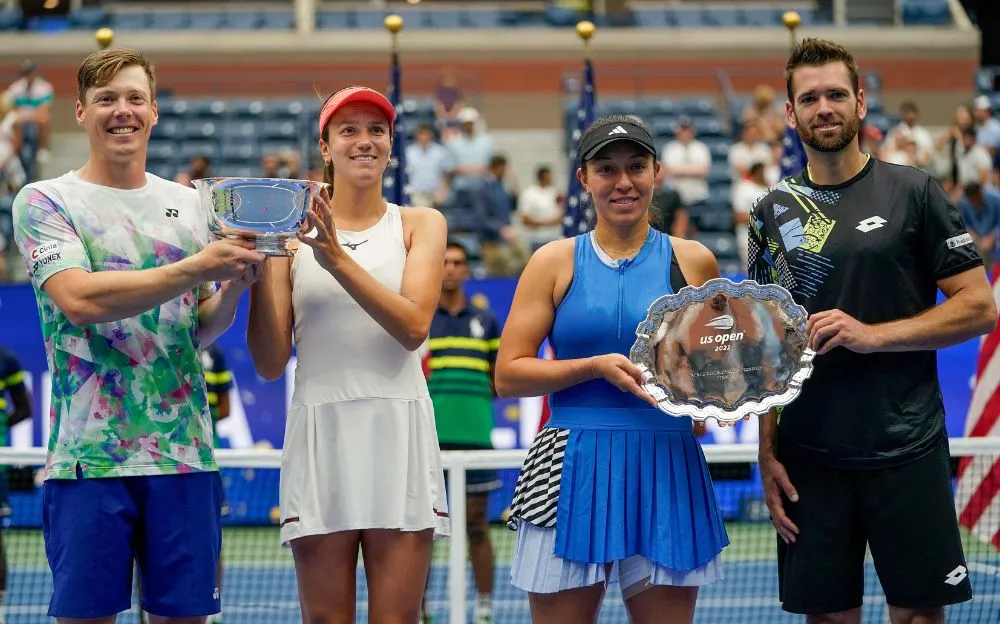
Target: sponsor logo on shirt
<point>43,255</point>
<point>958,241</point>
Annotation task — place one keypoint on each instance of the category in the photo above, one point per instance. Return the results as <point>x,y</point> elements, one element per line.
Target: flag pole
<point>394,25</point>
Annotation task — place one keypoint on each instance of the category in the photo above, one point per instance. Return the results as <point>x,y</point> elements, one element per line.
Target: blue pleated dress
<point>612,475</point>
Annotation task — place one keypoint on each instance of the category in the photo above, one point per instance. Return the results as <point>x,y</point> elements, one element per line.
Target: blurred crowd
<point>453,164</point>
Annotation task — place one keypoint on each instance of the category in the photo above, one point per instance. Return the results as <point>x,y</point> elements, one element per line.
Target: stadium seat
<point>444,19</point>
<point>89,17</point>
<point>130,21</point>
<point>715,219</point>
<point>651,18</point>
<point>172,107</point>
<point>724,17</point>
<point>239,153</point>
<point>167,129</point>
<point>722,244</point>
<point>698,106</point>
<point>240,108</point>
<point>282,129</point>
<point>334,20</point>
<point>484,18</point>
<point>761,17</point>
<point>277,20</point>
<point>189,149</point>
<point>926,13</point>
<point>242,20</point>
<point>198,128</point>
<point>719,173</point>
<point>708,127</point>
<point>690,18</point>
<point>169,20</point>
<point>208,108</point>
<point>161,150</point>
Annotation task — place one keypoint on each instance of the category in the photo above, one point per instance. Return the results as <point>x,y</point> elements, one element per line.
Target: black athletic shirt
<point>872,247</point>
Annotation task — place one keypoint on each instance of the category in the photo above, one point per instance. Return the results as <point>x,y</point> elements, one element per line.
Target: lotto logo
<point>956,576</point>
<point>871,223</point>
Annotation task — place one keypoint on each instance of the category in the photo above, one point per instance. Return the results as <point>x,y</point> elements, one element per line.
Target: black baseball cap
<point>599,138</point>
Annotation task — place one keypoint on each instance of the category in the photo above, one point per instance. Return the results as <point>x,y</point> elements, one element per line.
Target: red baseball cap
<point>355,94</point>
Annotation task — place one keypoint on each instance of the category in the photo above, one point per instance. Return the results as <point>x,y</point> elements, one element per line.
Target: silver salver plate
<point>268,210</point>
<point>723,350</point>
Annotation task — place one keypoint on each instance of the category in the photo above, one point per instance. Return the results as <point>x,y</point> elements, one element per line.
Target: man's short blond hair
<point>100,68</point>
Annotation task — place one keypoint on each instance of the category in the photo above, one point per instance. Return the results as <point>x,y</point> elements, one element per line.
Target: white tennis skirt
<point>362,464</point>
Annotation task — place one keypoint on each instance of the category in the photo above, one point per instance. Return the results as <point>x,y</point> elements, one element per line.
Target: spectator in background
<point>685,164</point>
<point>448,102</point>
<point>747,151</point>
<point>498,238</point>
<point>198,168</point>
<point>470,151</point>
<point>980,210</point>
<point>539,211</point>
<point>12,175</point>
<point>667,212</point>
<point>766,114</point>
<point>899,147</point>
<point>974,162</point>
<point>15,407</point>
<point>910,128</point>
<point>745,194</point>
<point>270,165</point>
<point>987,126</point>
<point>427,168</point>
<point>462,348</point>
<point>33,97</point>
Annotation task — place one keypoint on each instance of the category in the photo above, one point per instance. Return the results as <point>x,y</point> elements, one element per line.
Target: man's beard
<point>825,143</point>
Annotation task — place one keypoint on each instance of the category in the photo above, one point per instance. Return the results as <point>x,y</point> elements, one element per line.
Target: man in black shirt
<point>861,457</point>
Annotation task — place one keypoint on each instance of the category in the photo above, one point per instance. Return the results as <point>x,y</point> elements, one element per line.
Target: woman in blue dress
<point>613,491</point>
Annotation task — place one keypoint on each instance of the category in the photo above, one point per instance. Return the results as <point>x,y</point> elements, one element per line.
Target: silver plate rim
<point>689,294</point>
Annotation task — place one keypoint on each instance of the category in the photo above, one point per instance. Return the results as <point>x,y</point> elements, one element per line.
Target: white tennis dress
<point>360,449</point>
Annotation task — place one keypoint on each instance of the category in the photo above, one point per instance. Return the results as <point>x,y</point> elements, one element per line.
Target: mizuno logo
<point>871,223</point>
<point>618,130</point>
<point>354,246</point>
<point>724,322</point>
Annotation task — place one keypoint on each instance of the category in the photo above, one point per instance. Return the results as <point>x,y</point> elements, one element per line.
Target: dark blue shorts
<point>170,525</point>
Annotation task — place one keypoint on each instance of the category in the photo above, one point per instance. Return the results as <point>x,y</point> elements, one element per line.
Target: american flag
<point>394,182</point>
<point>793,155</point>
<point>977,499</point>
<point>579,212</point>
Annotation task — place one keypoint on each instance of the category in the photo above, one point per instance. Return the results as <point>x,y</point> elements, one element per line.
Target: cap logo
<point>618,130</point>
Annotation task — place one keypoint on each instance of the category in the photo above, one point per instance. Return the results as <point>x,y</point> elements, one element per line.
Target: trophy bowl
<point>267,210</point>
<point>723,350</point>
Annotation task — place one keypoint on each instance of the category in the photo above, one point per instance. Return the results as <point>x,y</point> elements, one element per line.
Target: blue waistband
<point>611,418</point>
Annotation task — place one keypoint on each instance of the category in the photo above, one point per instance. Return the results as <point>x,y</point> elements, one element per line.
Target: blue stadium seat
<point>89,17</point>
<point>653,107</point>
<point>242,20</point>
<point>279,129</point>
<point>722,244</point>
<point>189,149</point>
<point>239,129</point>
<point>444,19</point>
<point>761,17</point>
<point>664,127</point>
<point>484,18</point>
<point>165,170</point>
<point>718,173</point>
<point>284,108</point>
<point>719,146</point>
<point>277,146</point>
<point>698,106</point>
<point>169,20</point>
<point>708,127</point>
<point>161,150</point>
<point>173,107</point>
<point>130,21</point>
<point>649,17</point>
<point>245,152</point>
<point>208,108</point>
<point>276,20</point>
<point>208,20</point>
<point>926,13</point>
<point>10,19</point>
<point>168,129</point>
<point>239,171</point>
<point>725,17</point>
<point>334,20</point>
<point>254,108</point>
<point>714,219</point>
<point>369,20</point>
<point>691,18</point>
<point>198,128</point>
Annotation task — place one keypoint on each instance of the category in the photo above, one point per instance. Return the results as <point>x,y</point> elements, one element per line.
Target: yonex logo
<point>871,223</point>
<point>724,322</point>
<point>956,576</point>
<point>618,130</point>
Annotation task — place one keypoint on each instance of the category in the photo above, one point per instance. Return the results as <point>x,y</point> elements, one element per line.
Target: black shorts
<point>906,516</point>
<point>476,481</point>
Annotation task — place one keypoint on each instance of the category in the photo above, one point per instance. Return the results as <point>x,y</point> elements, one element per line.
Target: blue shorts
<point>95,529</point>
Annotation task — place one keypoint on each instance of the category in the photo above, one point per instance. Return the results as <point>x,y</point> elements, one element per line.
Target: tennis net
<point>259,585</point>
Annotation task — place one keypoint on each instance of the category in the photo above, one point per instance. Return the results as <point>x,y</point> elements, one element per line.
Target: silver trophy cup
<point>268,210</point>
<point>723,350</point>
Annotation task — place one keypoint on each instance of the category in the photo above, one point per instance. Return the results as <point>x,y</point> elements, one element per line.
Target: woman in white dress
<point>361,464</point>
